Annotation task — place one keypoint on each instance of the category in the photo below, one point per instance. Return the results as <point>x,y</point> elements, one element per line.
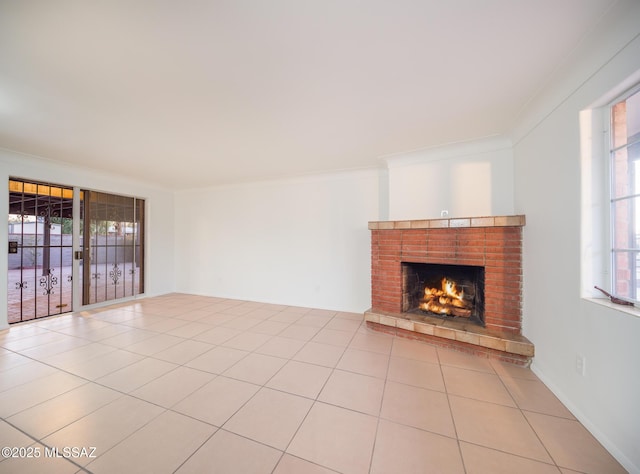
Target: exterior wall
<point>62,251</point>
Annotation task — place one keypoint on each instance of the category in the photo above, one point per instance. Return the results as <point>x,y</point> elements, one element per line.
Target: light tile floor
<point>183,383</point>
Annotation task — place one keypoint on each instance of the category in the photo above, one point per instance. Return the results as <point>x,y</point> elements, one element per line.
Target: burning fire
<point>446,300</point>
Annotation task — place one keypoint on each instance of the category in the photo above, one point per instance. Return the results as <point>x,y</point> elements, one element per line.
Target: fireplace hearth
<point>454,282</point>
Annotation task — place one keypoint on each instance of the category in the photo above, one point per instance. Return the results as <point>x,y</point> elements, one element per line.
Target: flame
<point>448,289</point>
<point>445,300</point>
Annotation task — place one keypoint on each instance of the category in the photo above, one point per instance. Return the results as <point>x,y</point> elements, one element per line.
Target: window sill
<point>632,310</point>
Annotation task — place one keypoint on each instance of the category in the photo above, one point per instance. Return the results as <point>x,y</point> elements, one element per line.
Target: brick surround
<point>492,242</point>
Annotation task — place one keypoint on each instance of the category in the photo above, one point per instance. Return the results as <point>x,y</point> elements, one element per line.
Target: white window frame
<point>595,242</point>
<point>612,199</point>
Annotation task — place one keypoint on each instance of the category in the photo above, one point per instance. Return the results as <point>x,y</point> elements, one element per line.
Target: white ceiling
<point>199,92</point>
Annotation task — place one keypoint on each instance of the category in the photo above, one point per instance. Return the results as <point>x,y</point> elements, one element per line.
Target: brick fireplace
<point>492,245</point>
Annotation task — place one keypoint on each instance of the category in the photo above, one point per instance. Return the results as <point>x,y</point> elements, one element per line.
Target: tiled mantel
<point>466,241</point>
<point>489,221</point>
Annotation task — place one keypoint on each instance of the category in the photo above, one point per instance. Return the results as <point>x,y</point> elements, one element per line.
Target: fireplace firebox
<point>446,291</point>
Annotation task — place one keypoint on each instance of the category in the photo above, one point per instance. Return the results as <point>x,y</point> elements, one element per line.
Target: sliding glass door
<point>112,239</point>
<point>103,252</point>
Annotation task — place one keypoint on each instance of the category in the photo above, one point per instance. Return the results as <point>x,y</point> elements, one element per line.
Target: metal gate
<point>113,246</point>
<point>40,250</point>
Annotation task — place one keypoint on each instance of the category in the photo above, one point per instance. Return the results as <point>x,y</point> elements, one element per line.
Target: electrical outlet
<point>580,364</point>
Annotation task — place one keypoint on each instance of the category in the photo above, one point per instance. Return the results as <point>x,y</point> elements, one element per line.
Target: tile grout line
<point>315,400</point>
<point>38,441</point>
<point>379,417</point>
<point>521,411</point>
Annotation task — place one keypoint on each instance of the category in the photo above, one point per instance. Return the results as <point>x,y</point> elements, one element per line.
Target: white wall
<point>467,179</point>
<point>159,276</point>
<point>560,323</point>
<point>299,241</point>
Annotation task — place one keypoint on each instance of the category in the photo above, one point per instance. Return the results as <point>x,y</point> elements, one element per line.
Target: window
<point>625,197</point>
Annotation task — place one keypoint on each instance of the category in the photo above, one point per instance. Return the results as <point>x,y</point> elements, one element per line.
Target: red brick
<point>499,250</point>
